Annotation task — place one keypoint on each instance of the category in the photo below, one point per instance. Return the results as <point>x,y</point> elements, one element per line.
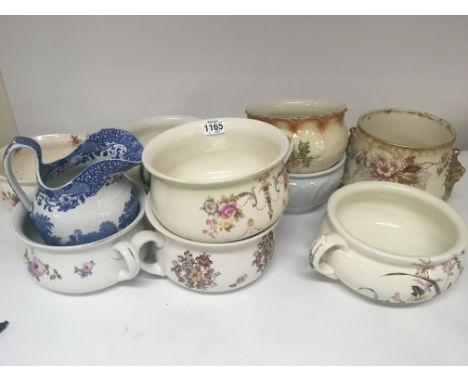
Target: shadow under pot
<point>81,268</point>
<point>404,146</point>
<point>205,267</point>
<point>390,242</point>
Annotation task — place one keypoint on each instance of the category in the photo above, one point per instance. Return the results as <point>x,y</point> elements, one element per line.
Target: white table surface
<point>291,315</point>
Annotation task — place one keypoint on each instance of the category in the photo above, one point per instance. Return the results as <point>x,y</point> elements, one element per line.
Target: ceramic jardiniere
<point>404,146</point>
<point>54,146</point>
<point>78,268</point>
<point>390,242</point>
<point>145,130</point>
<point>316,127</point>
<point>308,191</point>
<point>218,186</point>
<point>83,197</point>
<point>204,267</point>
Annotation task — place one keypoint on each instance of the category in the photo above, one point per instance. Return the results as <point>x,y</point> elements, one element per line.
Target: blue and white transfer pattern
<point>67,183</point>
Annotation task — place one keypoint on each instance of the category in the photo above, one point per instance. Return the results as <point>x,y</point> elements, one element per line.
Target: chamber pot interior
<point>191,156</point>
<point>396,223</point>
<point>407,128</point>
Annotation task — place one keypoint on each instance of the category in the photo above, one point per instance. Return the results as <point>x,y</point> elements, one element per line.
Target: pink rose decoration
<point>226,210</point>
<point>37,267</point>
<point>87,267</point>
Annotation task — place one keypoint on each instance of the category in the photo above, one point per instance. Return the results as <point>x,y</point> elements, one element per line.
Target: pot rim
<point>283,140</point>
<point>19,214</point>
<point>401,189</point>
<point>319,174</point>
<point>150,215</point>
<point>421,114</point>
<point>341,108</point>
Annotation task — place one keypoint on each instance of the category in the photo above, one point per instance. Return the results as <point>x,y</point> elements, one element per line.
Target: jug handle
<point>17,143</point>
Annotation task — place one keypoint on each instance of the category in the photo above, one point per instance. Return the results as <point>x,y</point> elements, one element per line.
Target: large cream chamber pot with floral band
<point>316,127</point>
<point>218,185</point>
<point>390,242</point>
<point>205,267</point>
<point>404,146</point>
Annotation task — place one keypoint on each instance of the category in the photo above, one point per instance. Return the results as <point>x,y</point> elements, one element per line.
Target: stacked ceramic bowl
<point>218,188</point>
<point>319,136</point>
<point>76,214</point>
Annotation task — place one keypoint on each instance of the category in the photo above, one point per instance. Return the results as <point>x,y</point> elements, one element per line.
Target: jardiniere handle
<point>139,240</point>
<point>320,248</point>
<point>454,174</point>
<point>125,250</point>
<point>17,143</point>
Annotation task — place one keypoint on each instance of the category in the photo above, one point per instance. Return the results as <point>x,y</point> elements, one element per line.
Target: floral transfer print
<point>75,140</point>
<point>239,281</point>
<point>195,272</point>
<point>264,252</point>
<point>429,280</point>
<point>300,156</point>
<point>85,270</point>
<point>9,197</point>
<point>38,269</point>
<point>224,213</point>
<point>375,162</point>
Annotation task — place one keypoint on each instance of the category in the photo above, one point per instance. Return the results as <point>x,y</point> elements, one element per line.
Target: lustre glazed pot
<point>222,187</point>
<point>308,191</point>
<point>54,146</point>
<point>205,267</point>
<point>316,127</point>
<point>404,146</point>
<point>390,242</point>
<point>78,268</point>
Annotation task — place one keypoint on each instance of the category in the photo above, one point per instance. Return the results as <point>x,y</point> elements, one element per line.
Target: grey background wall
<point>82,73</point>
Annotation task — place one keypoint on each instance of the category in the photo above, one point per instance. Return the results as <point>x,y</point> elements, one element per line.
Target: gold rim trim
<point>336,114</point>
<point>422,114</point>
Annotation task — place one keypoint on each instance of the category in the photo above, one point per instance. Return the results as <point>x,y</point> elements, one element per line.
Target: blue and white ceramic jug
<point>85,196</point>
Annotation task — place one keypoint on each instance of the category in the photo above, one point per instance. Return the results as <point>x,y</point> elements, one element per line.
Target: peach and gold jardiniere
<point>404,146</point>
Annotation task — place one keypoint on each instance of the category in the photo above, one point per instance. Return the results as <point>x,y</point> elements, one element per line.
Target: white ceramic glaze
<point>390,242</point>
<point>404,146</point>
<point>146,129</point>
<point>54,146</point>
<point>315,126</point>
<point>79,268</point>
<point>218,188</point>
<point>308,191</point>
<point>205,267</point>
